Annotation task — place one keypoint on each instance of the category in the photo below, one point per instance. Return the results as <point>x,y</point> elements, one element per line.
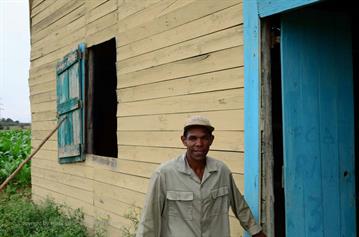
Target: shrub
<point>21,217</point>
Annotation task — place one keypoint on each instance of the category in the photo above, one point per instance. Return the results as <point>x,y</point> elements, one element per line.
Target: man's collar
<point>183,167</point>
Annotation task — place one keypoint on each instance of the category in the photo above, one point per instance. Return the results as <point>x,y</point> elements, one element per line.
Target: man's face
<point>197,141</point>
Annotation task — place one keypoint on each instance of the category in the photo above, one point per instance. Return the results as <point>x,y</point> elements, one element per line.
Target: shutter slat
<point>69,151</point>
<point>69,106</point>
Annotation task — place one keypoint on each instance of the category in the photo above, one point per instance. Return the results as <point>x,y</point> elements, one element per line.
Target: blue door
<point>318,124</point>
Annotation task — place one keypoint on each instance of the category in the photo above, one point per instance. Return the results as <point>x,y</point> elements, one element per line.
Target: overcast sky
<point>14,60</point>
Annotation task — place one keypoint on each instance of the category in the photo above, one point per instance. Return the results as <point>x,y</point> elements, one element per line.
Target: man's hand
<point>260,234</point>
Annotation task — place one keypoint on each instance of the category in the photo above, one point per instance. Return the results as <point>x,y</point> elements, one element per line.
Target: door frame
<point>256,72</point>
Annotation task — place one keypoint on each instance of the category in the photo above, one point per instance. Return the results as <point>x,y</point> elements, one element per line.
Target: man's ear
<point>211,140</point>
<point>183,139</point>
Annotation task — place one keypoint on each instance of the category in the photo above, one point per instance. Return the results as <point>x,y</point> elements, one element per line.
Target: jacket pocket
<point>219,201</point>
<point>180,204</point>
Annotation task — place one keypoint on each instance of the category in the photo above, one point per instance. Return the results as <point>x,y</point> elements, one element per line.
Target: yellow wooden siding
<point>174,58</point>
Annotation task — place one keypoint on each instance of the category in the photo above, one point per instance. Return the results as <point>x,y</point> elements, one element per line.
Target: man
<point>190,195</point>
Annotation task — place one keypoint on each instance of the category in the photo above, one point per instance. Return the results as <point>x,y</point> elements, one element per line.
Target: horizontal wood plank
<point>135,183</point>
<point>214,22</point>
<point>221,120</point>
<point>121,194</point>
<point>96,12</point>
<point>79,169</point>
<point>43,87</point>
<point>63,36</point>
<point>215,61</point>
<point>216,41</point>
<point>63,178</point>
<point>83,195</point>
<point>43,116</point>
<point>225,140</point>
<point>61,198</point>
<point>39,6</point>
<point>180,16</point>
<point>102,23</point>
<point>62,22</point>
<point>42,107</point>
<point>128,8</point>
<point>45,96</point>
<point>101,36</point>
<point>234,160</point>
<point>213,81</point>
<point>149,13</point>
<point>211,101</point>
<point>54,13</point>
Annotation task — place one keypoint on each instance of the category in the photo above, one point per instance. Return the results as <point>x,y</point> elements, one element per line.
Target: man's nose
<point>199,142</point>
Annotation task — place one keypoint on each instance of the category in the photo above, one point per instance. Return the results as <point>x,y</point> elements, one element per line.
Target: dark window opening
<point>101,107</point>
<point>277,129</point>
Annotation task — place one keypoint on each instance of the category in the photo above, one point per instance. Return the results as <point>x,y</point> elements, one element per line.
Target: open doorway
<point>277,126</point>
<point>101,106</point>
<point>275,90</point>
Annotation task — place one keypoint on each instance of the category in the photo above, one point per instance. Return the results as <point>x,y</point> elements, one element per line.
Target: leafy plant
<point>15,146</point>
<point>21,217</point>
<point>133,215</point>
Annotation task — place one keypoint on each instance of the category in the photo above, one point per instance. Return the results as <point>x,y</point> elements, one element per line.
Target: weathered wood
<point>222,120</point>
<point>102,23</point>
<point>69,151</point>
<point>220,40</point>
<point>121,194</point>
<point>56,55</point>
<point>211,101</point>
<point>267,162</point>
<point>224,59</point>
<point>127,8</point>
<point>43,116</point>
<point>41,190</point>
<point>225,140</point>
<point>62,22</point>
<point>58,13</point>
<point>43,87</point>
<point>50,9</point>
<point>236,229</point>
<point>180,16</point>
<point>43,97</point>
<point>101,36</point>
<point>42,78</point>
<point>41,125</point>
<point>45,106</point>
<point>39,6</point>
<point>214,81</point>
<point>149,13</point>
<point>214,22</point>
<point>41,70</point>
<point>91,4</point>
<point>126,181</point>
<point>100,10</point>
<point>234,160</point>
<point>63,178</point>
<point>76,169</point>
<point>59,38</point>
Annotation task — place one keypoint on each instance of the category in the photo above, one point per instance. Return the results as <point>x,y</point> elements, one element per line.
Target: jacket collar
<point>183,167</point>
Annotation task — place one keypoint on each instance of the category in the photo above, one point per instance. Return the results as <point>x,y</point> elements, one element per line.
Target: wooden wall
<point>175,58</point>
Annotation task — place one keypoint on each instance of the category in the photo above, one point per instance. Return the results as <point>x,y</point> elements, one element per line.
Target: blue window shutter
<point>70,74</point>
